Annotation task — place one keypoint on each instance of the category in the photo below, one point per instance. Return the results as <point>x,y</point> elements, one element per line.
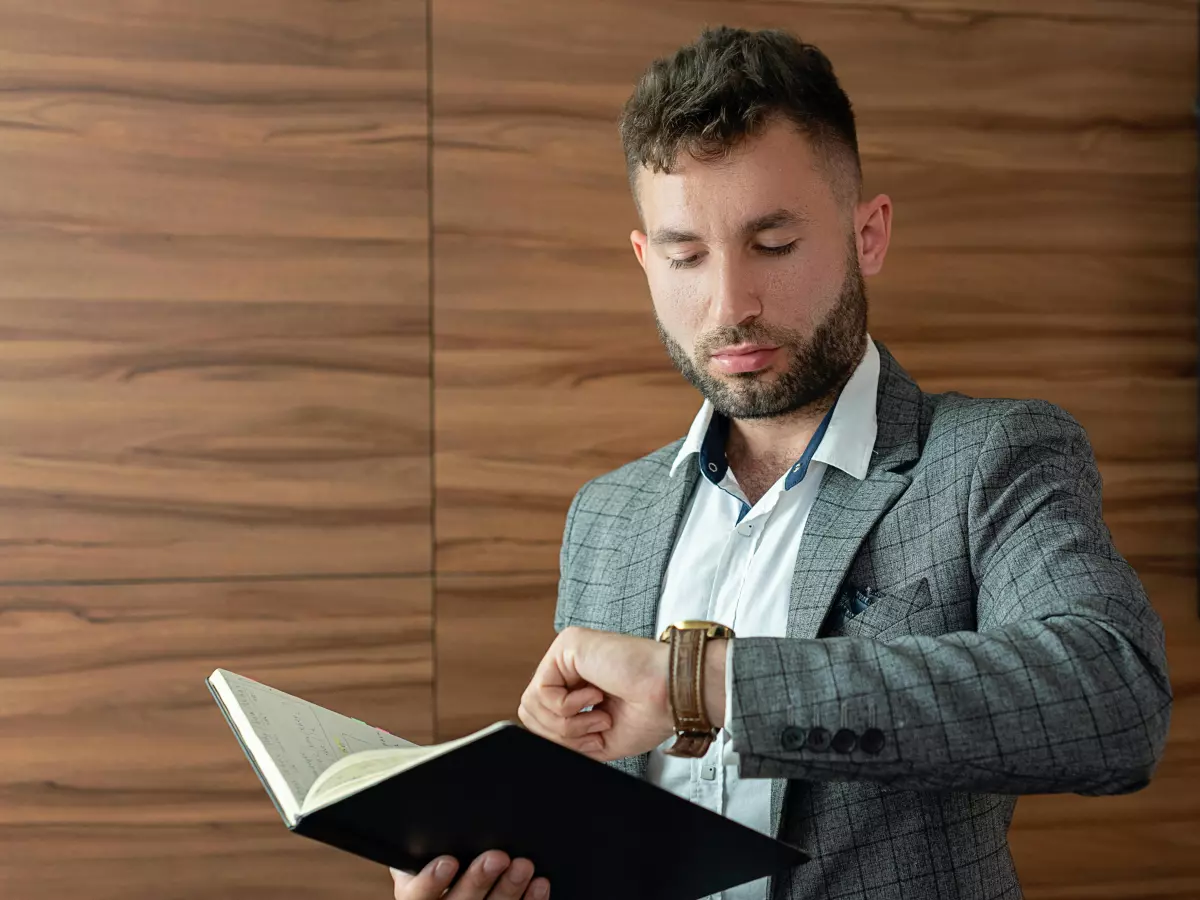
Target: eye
<point>686,263</point>
<point>782,250</point>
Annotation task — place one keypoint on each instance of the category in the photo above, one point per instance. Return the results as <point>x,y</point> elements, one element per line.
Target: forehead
<point>777,168</point>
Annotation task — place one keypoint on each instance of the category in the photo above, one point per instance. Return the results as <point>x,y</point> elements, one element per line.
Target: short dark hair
<point>728,85</point>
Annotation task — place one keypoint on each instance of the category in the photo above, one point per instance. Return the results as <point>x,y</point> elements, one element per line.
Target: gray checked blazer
<point>961,630</point>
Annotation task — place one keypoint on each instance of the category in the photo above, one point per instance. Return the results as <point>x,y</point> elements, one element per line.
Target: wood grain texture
<point>214,349</point>
<point>121,778</point>
<point>1044,246</point>
<point>152,439</point>
<point>246,860</point>
<point>365,34</point>
<point>977,151</point>
<point>957,13</point>
<point>492,631</point>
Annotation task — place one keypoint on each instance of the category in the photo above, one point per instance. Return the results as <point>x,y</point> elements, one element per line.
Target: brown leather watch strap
<point>685,686</point>
<point>690,745</point>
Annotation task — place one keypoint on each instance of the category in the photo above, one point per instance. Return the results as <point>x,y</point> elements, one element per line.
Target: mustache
<point>752,333</point>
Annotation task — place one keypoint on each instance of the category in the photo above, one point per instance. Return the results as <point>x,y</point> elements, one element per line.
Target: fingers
<point>487,878</point>
<point>563,722</point>
<point>564,729</point>
<point>429,884</point>
<point>539,889</point>
<point>554,702</point>
<point>555,672</point>
<point>512,884</point>
<point>492,876</point>
<point>578,699</point>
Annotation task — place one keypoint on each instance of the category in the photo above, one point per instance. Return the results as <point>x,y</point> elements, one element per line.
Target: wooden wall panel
<point>214,350</point>
<point>214,406</point>
<point>120,778</point>
<point>243,860</point>
<point>1042,162</point>
<point>492,631</point>
<point>366,34</point>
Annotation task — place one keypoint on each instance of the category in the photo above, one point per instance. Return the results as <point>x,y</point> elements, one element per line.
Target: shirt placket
<point>708,781</point>
<point>745,537</point>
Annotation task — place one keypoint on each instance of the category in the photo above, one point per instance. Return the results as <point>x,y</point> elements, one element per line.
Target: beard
<point>819,364</point>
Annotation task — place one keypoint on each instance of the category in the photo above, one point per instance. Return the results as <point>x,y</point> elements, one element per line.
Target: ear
<point>873,227</point>
<point>639,241</point>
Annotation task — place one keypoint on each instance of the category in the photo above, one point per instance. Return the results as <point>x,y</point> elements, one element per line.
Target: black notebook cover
<point>594,831</point>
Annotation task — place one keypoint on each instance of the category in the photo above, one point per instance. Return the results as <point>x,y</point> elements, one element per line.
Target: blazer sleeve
<point>1062,687</point>
<point>564,562</point>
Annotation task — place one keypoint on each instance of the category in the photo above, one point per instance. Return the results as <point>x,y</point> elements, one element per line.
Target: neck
<point>782,438</point>
<point>760,451</point>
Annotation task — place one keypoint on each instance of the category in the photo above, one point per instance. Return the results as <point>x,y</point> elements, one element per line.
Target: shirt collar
<point>844,439</point>
<point>850,440</point>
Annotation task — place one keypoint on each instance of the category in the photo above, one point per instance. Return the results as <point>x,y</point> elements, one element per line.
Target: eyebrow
<point>779,218</point>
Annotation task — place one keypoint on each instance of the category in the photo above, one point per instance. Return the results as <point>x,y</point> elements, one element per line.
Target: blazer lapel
<point>846,510</point>
<point>646,550</point>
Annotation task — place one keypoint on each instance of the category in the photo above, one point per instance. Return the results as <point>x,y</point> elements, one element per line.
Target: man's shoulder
<point>647,473</point>
<point>955,425</point>
<point>953,416</point>
<point>600,514</point>
<point>985,431</point>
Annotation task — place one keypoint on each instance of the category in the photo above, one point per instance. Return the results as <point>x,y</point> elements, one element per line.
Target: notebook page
<point>300,739</point>
<point>352,775</point>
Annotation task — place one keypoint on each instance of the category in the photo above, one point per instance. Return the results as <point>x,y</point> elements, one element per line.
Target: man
<point>929,616</point>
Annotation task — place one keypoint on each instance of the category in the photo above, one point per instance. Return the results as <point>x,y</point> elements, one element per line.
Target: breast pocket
<point>876,614</point>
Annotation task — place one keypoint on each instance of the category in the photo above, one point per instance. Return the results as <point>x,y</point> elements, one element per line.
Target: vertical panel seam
<point>433,585</point>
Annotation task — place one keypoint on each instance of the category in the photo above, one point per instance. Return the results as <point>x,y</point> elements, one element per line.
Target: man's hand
<point>491,877</point>
<point>624,681</point>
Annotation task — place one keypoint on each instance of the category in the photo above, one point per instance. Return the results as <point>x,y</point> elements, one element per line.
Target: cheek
<point>677,303</point>
<point>802,290</point>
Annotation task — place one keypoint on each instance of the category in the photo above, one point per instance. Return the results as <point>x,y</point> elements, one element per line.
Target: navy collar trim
<point>714,465</point>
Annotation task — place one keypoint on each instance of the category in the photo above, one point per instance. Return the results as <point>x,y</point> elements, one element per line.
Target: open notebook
<point>308,756</point>
<point>594,831</point>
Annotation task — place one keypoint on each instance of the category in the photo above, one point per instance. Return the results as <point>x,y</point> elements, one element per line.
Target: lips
<point>743,358</point>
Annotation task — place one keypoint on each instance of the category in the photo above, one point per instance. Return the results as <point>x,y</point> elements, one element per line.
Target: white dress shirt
<point>732,563</point>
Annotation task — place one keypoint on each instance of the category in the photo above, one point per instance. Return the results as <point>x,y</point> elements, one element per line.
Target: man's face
<point>753,268</point>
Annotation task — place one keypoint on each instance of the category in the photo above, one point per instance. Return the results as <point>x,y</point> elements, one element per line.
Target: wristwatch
<point>685,684</point>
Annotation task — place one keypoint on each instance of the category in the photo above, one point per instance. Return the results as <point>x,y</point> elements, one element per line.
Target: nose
<point>733,294</point>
